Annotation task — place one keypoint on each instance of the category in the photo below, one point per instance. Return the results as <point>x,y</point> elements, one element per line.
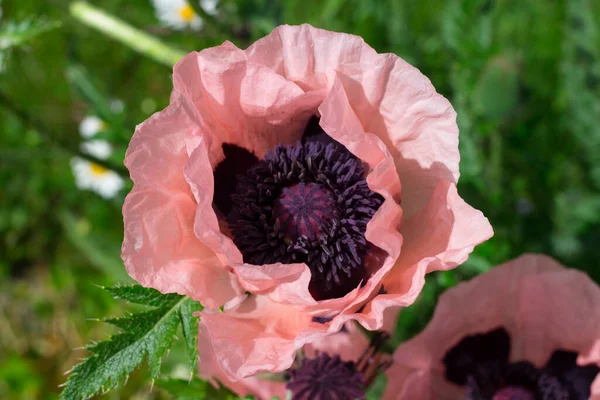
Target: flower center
<point>482,363</point>
<point>326,377</point>
<point>513,393</point>
<point>305,209</point>
<point>309,203</point>
<point>98,170</point>
<point>187,13</point>
<point>503,380</point>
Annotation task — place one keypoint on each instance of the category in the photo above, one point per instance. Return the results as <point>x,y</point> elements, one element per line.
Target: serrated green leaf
<point>146,334</point>
<point>189,326</point>
<point>14,34</point>
<point>142,295</point>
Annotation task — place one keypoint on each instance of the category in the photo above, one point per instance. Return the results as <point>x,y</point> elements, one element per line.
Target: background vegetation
<point>524,77</point>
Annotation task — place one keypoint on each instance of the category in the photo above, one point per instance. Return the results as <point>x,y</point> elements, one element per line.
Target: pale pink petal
<point>209,369</point>
<point>266,278</point>
<point>321,53</point>
<point>159,248</point>
<point>238,102</point>
<point>559,310</point>
<point>257,336</point>
<point>349,344</point>
<point>199,175</point>
<point>394,101</point>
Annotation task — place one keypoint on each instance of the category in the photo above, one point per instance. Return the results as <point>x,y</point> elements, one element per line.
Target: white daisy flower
<point>178,14</point>
<point>91,125</point>
<point>94,177</point>
<point>98,148</point>
<point>210,6</point>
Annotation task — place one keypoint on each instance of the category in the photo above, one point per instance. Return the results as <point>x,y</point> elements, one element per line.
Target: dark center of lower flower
<point>502,380</point>
<point>305,209</point>
<point>310,203</point>
<point>481,362</point>
<point>325,378</point>
<point>513,393</point>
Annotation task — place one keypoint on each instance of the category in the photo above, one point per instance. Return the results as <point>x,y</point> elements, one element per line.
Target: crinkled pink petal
<point>394,101</point>
<point>236,101</point>
<point>270,277</point>
<point>541,305</point>
<point>560,311</point>
<point>349,344</point>
<point>159,248</point>
<point>199,176</point>
<point>256,336</point>
<point>209,369</point>
<point>309,56</point>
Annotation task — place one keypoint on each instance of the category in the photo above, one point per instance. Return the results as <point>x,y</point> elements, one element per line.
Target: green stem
<point>134,38</point>
<point>51,137</point>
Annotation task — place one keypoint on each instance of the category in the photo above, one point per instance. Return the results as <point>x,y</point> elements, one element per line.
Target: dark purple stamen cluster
<point>481,362</point>
<point>500,380</point>
<point>308,203</point>
<point>329,378</point>
<point>304,209</point>
<point>325,378</point>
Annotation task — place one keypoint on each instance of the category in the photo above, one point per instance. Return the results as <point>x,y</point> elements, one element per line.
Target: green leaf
<point>189,327</point>
<point>146,334</point>
<point>141,295</point>
<point>13,34</point>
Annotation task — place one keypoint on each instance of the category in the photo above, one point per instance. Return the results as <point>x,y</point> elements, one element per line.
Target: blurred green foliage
<point>524,77</point>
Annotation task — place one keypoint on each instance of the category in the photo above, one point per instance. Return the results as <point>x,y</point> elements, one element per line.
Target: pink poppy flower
<point>341,365</point>
<point>528,329</point>
<point>276,172</point>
